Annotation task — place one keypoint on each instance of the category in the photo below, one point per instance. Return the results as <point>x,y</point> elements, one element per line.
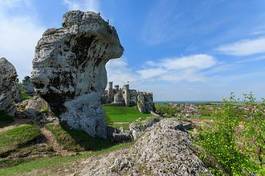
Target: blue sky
<point>178,49</point>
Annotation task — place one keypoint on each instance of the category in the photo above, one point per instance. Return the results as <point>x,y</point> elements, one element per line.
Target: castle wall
<point>126,94</point>
<point>129,97</point>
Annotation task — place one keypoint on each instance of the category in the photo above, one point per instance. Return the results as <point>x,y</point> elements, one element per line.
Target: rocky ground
<point>163,149</point>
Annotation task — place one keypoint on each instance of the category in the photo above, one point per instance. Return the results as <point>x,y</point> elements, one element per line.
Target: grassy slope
<point>76,140</point>
<point>11,139</point>
<point>55,162</point>
<point>121,116</point>
<point>72,140</point>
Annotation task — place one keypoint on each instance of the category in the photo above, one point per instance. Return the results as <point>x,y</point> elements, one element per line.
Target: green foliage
<point>121,116</point>
<point>23,93</point>
<point>206,110</point>
<point>166,109</point>
<point>13,138</point>
<point>76,140</point>
<point>236,121</point>
<point>254,129</point>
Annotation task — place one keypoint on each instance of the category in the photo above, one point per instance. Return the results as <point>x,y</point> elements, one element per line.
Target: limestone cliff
<point>8,87</point>
<point>69,69</point>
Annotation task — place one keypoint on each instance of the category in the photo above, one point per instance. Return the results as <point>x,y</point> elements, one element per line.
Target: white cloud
<point>186,68</point>
<point>244,47</point>
<point>200,61</point>
<point>189,68</point>
<point>151,72</point>
<point>119,72</point>
<point>11,3</point>
<point>85,5</point>
<point>18,35</point>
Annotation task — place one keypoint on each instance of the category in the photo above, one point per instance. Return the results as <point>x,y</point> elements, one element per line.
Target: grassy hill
<point>63,145</point>
<point>122,116</point>
<point>11,139</point>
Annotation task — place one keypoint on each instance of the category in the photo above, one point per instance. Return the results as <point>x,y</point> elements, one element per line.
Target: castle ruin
<point>128,97</point>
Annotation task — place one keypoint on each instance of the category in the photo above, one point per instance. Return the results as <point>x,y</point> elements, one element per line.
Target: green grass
<point>76,140</point>
<point>12,138</point>
<point>55,162</point>
<point>122,116</point>
<point>5,119</point>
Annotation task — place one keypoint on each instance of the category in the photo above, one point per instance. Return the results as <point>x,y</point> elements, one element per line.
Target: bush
<point>236,121</point>
<point>166,109</point>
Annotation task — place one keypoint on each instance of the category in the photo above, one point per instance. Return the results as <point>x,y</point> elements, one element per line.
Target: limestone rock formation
<point>145,102</point>
<point>9,93</point>
<point>137,128</point>
<point>36,109</point>
<point>69,69</point>
<point>164,149</point>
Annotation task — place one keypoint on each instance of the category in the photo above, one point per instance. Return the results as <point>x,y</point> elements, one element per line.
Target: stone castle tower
<point>110,92</point>
<point>128,97</point>
<point>126,94</point>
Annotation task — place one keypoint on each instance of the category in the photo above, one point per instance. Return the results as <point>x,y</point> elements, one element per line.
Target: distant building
<point>127,97</point>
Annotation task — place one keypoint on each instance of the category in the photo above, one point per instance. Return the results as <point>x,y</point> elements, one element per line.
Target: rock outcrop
<point>36,109</point>
<point>69,69</point>
<point>164,149</point>
<point>9,93</point>
<point>137,128</point>
<point>145,102</point>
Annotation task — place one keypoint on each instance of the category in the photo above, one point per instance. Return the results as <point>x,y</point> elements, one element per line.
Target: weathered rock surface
<point>138,128</point>
<point>9,93</point>
<point>145,102</point>
<point>69,69</point>
<point>37,109</point>
<point>163,149</point>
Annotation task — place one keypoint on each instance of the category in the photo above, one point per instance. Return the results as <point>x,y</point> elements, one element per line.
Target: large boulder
<point>164,149</point>
<point>69,69</point>
<point>37,109</point>
<point>145,102</point>
<point>9,93</point>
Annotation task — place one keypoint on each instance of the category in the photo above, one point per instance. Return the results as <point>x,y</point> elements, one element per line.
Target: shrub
<point>167,110</point>
<point>236,121</point>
